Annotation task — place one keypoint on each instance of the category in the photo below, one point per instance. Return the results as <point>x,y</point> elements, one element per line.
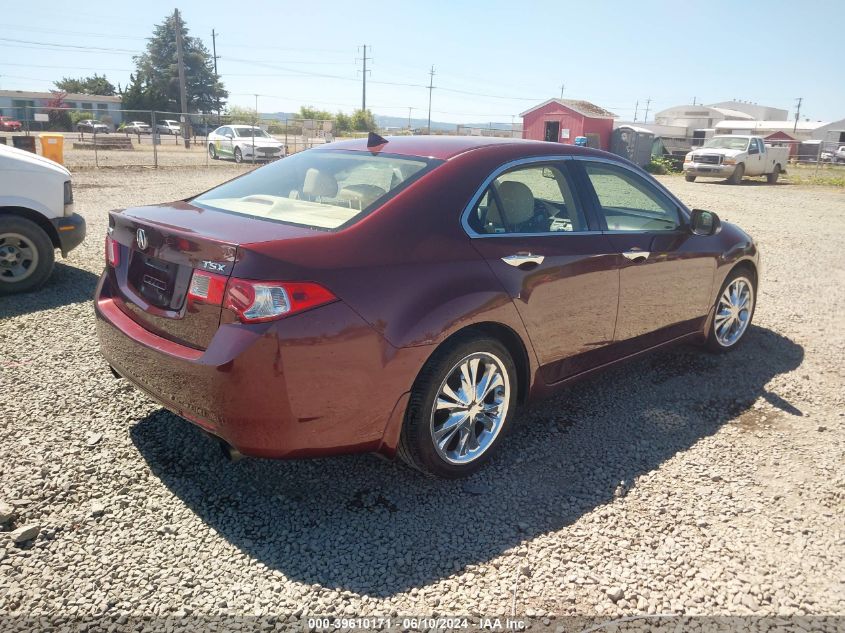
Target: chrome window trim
<point>495,174</point>
<point>682,208</point>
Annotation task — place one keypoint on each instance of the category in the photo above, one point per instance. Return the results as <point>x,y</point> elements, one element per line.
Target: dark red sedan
<point>403,296</point>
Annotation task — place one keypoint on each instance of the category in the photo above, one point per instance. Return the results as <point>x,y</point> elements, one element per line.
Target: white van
<point>36,218</point>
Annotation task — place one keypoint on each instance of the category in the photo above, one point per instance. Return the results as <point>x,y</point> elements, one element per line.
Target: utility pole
<point>561,91</point>
<point>216,76</point>
<point>430,88</point>
<point>647,104</point>
<point>636,109</point>
<point>693,101</point>
<point>409,119</point>
<point>183,95</point>
<point>797,114</point>
<point>364,77</point>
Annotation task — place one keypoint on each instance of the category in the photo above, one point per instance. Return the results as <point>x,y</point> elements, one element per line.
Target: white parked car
<point>168,126</point>
<point>136,127</point>
<point>835,156</point>
<point>735,156</point>
<point>36,218</point>
<point>244,142</point>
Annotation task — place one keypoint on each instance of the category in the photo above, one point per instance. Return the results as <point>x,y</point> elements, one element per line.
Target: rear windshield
<point>318,188</point>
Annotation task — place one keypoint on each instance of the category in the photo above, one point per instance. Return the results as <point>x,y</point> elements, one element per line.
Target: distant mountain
<point>399,123</point>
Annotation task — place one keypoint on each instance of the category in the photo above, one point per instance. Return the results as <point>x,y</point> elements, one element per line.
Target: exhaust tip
<point>230,452</point>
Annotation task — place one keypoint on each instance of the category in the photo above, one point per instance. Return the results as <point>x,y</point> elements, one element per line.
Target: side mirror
<point>704,222</point>
<point>229,135</point>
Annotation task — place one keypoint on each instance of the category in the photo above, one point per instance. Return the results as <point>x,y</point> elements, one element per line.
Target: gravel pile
<point>683,483</point>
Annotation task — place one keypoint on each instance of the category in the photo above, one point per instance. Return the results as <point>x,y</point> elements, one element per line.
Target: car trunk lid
<point>161,247</point>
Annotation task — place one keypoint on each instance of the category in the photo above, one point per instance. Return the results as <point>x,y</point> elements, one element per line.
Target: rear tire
<point>239,157</point>
<point>212,151</point>
<point>27,255</point>
<point>465,397</point>
<point>736,177</point>
<point>689,177</point>
<point>732,317</point>
<point>772,178</point>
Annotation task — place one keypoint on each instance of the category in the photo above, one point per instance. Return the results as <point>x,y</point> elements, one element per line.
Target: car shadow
<point>66,285</point>
<point>374,527</point>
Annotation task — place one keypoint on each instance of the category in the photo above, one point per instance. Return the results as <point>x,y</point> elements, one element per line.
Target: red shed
<point>782,139</point>
<point>561,120</point>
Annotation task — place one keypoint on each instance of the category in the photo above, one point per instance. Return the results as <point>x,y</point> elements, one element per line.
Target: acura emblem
<point>141,238</point>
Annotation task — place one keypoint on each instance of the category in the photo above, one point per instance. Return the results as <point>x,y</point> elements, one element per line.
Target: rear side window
<point>319,189</point>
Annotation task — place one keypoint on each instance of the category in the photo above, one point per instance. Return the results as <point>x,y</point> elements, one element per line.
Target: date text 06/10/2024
<point>326,624</point>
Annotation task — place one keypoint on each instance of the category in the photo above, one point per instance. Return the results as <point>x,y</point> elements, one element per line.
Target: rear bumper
<point>71,231</point>
<point>319,383</point>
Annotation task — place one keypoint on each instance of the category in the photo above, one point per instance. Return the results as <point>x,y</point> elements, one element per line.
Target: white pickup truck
<point>36,218</point>
<point>736,156</point>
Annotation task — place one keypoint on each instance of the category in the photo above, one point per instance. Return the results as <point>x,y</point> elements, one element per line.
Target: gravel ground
<point>683,483</point>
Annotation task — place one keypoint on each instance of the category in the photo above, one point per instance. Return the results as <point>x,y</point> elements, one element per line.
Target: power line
<point>74,46</point>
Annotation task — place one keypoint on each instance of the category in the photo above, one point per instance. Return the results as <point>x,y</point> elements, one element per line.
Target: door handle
<point>636,256</point>
<point>520,259</point>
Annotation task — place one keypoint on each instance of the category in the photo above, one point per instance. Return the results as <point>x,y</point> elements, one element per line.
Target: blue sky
<point>492,59</point>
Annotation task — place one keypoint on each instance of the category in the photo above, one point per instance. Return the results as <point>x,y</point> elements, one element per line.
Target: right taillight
<point>258,301</point>
<point>112,252</point>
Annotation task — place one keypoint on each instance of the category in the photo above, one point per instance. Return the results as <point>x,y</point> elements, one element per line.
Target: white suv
<point>169,127</point>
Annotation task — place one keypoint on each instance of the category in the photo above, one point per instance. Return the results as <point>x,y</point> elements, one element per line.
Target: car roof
<point>445,147</point>
<point>241,125</point>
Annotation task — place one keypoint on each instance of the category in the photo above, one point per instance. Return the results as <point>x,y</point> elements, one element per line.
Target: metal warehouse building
<point>561,120</point>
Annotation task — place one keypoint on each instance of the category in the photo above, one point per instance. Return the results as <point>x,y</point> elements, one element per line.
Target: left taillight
<point>258,301</point>
<point>112,252</point>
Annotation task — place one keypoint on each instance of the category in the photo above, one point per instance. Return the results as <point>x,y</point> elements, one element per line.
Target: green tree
<point>363,121</point>
<point>342,123</point>
<point>310,112</point>
<point>238,114</point>
<point>93,85</point>
<point>156,78</point>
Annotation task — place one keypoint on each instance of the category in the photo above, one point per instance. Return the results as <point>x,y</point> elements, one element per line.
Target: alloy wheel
<point>470,408</point>
<point>733,314</point>
<point>18,257</point>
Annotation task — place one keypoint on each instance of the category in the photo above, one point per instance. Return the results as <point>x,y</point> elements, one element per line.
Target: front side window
<point>534,199</point>
<point>628,202</point>
<point>321,189</point>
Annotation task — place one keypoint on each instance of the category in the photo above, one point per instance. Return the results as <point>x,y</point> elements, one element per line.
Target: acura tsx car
<point>404,295</point>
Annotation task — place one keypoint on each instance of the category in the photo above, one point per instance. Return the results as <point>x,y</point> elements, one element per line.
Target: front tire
<point>212,151</point>
<point>733,313</point>
<point>239,157</point>
<point>461,406</point>
<point>772,178</point>
<point>27,255</point>
<point>689,177</point>
<point>736,177</point>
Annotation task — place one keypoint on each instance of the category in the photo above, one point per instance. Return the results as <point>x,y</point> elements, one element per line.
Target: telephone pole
<point>183,95</point>
<point>636,109</point>
<point>797,114</point>
<point>647,104</point>
<point>430,88</point>
<point>561,91</point>
<point>216,76</point>
<point>409,119</point>
<point>364,77</point>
